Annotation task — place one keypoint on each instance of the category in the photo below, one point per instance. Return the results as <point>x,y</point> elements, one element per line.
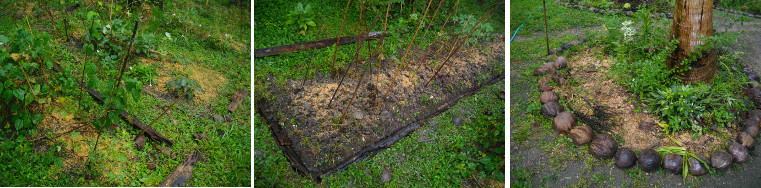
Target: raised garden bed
<point>614,123</point>
<point>317,142</point>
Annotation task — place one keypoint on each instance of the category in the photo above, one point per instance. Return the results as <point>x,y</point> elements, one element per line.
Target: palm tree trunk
<point>691,25</point>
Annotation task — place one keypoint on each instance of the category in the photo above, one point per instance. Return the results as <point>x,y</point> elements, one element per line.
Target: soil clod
<point>386,175</point>
<point>457,121</point>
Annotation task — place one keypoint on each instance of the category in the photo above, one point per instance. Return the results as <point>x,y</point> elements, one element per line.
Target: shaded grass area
<point>559,18</point>
<point>749,6</point>
<point>444,157</point>
<point>214,36</point>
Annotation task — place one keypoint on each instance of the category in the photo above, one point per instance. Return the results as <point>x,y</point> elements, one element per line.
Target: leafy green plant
<point>684,107</point>
<point>142,72</point>
<point>181,84</point>
<point>302,17</point>
<point>466,22</point>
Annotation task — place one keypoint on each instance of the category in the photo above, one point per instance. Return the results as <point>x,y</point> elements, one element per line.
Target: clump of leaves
<point>302,17</point>
<point>665,150</point>
<point>685,107</point>
<point>181,84</point>
<point>142,72</point>
<point>466,22</point>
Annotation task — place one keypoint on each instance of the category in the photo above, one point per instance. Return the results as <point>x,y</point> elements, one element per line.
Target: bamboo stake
<point>457,47</point>
<point>428,51</point>
<point>356,53</point>
<point>364,69</point>
<point>335,51</point>
<point>311,52</point>
<point>399,68</point>
<point>121,70</point>
<point>546,36</point>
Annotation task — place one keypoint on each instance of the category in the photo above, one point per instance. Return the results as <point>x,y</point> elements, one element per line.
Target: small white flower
<point>225,34</point>
<point>172,14</point>
<point>97,51</point>
<point>431,97</point>
<point>130,67</point>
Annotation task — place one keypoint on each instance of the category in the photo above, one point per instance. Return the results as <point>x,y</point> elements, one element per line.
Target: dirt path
<point>543,171</point>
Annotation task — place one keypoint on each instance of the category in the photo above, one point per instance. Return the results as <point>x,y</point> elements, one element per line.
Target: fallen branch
<point>126,116</point>
<point>277,50</point>
<point>182,173</point>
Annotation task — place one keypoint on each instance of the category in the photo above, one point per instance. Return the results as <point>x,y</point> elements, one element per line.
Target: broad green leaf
<point>90,69</point>
<point>19,94</point>
<point>311,23</point>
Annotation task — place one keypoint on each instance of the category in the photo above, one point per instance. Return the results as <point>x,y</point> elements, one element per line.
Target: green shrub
<point>685,107</point>
<point>302,17</point>
<point>181,84</point>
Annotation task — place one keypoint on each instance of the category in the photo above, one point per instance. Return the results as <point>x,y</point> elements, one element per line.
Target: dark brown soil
<point>323,138</point>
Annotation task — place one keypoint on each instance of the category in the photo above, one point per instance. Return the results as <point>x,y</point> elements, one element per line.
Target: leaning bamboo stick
<point>364,69</point>
<point>356,53</point>
<point>335,51</point>
<point>399,68</point>
<point>457,47</point>
<point>311,52</point>
<point>428,51</point>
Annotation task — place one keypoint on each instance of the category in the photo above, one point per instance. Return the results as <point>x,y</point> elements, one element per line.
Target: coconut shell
<point>755,114</point>
<point>746,140</point>
<point>696,168</point>
<point>649,160</point>
<point>542,70</point>
<point>548,96</point>
<point>625,158</point>
<point>581,134</point>
<point>739,152</point>
<point>751,127</point>
<point>575,42</point>
<point>551,109</point>
<point>545,81</point>
<point>603,146</point>
<point>721,160</point>
<point>563,122</point>
<point>673,163</point>
<point>545,88</point>
<point>560,63</point>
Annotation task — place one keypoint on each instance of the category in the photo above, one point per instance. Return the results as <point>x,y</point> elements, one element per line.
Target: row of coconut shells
<point>604,146</point>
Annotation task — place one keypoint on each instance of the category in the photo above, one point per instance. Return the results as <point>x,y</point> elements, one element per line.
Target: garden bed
<point>315,140</point>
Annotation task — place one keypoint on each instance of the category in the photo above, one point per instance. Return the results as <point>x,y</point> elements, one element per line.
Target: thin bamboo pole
<point>335,51</point>
<point>364,69</point>
<point>458,46</point>
<point>311,52</point>
<point>399,68</point>
<point>428,51</point>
